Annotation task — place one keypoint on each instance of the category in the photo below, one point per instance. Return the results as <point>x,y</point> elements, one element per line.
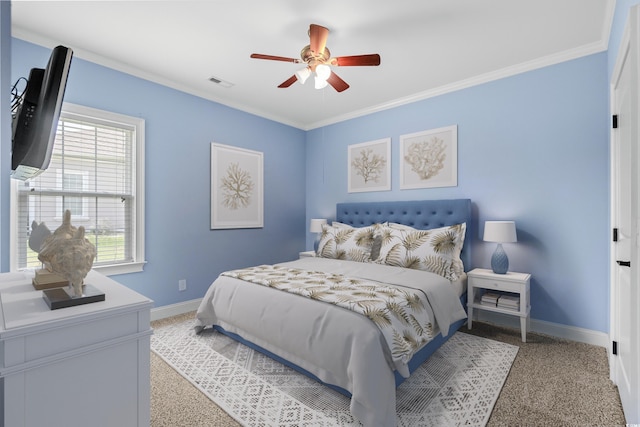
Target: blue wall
<point>5,126</point>
<point>179,130</point>
<point>531,148</point>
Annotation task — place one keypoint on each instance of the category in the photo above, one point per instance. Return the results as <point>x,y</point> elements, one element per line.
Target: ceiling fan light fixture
<point>323,71</point>
<point>303,74</point>
<point>317,57</point>
<point>320,83</point>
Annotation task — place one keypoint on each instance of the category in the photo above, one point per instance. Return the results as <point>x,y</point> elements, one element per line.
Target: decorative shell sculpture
<point>39,232</point>
<point>67,253</point>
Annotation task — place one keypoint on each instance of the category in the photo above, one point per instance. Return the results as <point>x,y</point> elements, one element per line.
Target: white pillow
<point>436,250</point>
<point>342,241</point>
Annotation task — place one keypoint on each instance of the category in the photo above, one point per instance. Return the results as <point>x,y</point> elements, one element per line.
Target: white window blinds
<point>93,174</point>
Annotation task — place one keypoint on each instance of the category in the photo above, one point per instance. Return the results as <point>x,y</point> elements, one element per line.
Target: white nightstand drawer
<point>481,282</point>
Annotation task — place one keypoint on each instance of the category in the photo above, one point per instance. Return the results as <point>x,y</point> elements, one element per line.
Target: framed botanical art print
<point>429,159</point>
<point>369,167</point>
<point>236,187</point>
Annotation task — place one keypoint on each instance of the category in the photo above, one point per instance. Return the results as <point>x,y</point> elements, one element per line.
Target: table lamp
<point>500,232</point>
<point>316,227</point>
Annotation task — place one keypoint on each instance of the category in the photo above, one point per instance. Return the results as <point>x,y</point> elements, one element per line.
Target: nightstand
<point>307,254</point>
<point>511,284</point>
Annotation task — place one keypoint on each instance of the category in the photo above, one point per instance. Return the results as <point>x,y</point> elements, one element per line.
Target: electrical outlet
<point>182,284</point>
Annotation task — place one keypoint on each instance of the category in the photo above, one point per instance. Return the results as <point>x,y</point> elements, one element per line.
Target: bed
<point>351,350</point>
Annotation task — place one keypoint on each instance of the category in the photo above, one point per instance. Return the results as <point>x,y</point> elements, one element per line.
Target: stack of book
<point>493,299</point>
<point>510,302</point>
<point>490,298</point>
<point>44,279</point>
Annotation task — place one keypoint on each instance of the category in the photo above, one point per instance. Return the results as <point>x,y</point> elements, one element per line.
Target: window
<point>72,180</point>
<point>96,172</point>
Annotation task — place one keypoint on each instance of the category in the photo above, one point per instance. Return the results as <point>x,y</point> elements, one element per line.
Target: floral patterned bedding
<point>338,346</point>
<point>403,315</point>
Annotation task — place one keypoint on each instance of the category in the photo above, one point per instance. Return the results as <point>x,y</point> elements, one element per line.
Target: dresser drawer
<point>498,285</point>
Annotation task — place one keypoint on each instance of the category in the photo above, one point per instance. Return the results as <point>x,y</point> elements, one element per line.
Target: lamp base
<point>499,261</point>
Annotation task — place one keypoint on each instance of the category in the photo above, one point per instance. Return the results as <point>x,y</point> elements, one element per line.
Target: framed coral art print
<point>369,166</point>
<point>236,187</point>
<point>429,159</point>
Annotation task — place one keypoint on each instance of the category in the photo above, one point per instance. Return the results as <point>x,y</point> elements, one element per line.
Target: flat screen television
<point>35,120</point>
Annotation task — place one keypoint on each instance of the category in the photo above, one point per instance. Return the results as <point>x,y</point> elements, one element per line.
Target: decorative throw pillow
<point>436,250</point>
<point>342,241</point>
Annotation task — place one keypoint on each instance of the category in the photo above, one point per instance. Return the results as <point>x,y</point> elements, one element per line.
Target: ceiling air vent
<point>220,82</point>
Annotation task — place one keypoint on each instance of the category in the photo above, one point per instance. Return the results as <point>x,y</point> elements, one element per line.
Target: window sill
<point>109,270</point>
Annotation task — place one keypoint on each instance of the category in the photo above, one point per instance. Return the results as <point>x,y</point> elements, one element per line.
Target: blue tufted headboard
<point>421,214</point>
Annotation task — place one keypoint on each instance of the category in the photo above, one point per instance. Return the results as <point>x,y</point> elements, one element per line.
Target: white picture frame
<point>237,188</point>
<point>429,159</point>
<point>369,166</point>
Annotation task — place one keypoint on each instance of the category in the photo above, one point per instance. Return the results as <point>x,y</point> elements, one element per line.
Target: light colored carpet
<point>552,383</point>
<point>458,385</point>
<point>175,402</point>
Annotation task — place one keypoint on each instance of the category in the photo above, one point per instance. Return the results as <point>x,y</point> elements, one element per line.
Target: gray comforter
<point>337,345</point>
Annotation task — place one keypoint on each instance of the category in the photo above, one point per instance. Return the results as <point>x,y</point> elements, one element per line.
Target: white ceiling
<point>428,47</point>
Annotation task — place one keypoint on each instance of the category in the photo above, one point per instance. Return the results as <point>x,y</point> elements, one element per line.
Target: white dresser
<point>87,365</point>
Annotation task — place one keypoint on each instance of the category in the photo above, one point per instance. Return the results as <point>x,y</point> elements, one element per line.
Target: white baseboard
<point>174,309</point>
<point>572,333</point>
<point>557,330</point>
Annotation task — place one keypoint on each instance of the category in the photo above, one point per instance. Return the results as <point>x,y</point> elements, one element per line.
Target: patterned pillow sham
<point>342,241</point>
<point>436,250</point>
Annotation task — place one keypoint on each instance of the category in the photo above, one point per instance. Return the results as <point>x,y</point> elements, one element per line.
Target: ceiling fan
<point>318,59</point>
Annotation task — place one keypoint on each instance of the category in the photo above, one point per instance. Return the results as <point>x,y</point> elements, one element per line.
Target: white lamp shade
<point>319,83</point>
<point>316,225</point>
<point>323,71</point>
<point>303,74</point>
<point>500,232</point>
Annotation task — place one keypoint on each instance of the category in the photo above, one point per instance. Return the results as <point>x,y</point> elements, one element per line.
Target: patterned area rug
<point>458,385</point>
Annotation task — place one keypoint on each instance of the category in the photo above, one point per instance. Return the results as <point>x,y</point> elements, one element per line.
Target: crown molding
<point>524,67</point>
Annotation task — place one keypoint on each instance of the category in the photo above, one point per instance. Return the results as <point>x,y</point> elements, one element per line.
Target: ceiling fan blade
<point>356,60</point>
<point>291,80</point>
<point>274,58</point>
<point>318,38</point>
<point>337,83</point>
